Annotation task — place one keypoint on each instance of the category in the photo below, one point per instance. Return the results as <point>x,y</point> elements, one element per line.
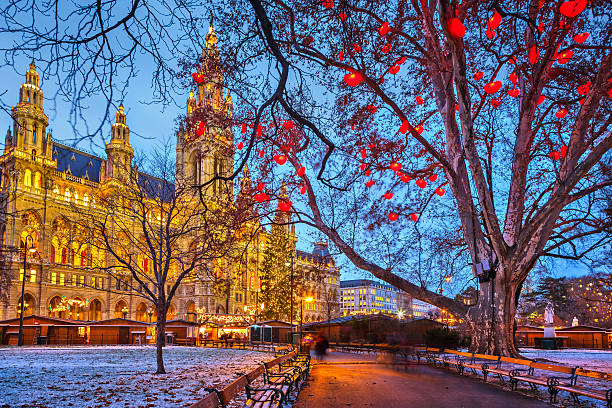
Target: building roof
<point>77,163</point>
<point>154,187</point>
<point>354,283</point>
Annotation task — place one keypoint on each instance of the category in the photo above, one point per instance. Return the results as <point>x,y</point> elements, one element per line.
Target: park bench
<point>301,361</point>
<point>533,379</point>
<point>477,362</point>
<point>452,358</point>
<point>430,354</point>
<point>569,385</point>
<point>495,367</point>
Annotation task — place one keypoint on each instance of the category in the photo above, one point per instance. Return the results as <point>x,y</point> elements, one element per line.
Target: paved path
<point>346,380</point>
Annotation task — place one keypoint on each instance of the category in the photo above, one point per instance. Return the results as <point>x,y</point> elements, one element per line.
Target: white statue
<point>549,327</point>
<point>574,321</point>
<point>549,313</point>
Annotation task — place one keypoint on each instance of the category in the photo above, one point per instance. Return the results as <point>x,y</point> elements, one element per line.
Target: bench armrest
<point>518,371</point>
<point>219,397</point>
<point>277,393</point>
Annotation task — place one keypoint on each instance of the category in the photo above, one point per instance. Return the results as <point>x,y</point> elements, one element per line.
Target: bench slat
<point>600,375</point>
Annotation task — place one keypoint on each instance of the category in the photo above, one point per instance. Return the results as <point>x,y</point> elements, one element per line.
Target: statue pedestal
<point>549,332</point>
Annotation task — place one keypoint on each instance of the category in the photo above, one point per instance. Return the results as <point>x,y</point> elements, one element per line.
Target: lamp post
<point>27,239</point>
<point>125,310</point>
<point>291,298</point>
<point>150,313</point>
<point>307,300</point>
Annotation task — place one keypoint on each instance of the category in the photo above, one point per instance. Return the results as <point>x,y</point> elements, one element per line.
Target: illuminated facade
<point>46,185</point>
<point>363,296</point>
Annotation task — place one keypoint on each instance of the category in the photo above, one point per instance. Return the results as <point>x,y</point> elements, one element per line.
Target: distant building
<point>422,309</point>
<point>364,296</point>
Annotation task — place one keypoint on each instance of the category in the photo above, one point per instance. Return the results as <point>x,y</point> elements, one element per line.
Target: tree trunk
<point>160,330</point>
<point>492,319</point>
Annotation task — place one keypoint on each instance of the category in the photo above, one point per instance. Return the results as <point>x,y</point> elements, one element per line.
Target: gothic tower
<point>119,152</point>
<point>29,119</point>
<point>204,146</point>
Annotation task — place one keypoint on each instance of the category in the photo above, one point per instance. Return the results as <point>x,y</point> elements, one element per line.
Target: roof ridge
<point>75,150</point>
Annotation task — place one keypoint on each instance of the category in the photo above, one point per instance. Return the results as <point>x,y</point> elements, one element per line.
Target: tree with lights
<point>277,286</point>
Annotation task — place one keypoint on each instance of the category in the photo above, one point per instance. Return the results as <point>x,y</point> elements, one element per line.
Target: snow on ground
<point>120,376</point>
<point>599,360</point>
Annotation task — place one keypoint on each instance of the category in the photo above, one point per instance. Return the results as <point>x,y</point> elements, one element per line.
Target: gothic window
<point>27,178</point>
<point>34,131</point>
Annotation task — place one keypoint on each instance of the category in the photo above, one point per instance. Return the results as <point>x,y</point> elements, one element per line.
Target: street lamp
<point>307,300</point>
<point>32,250</point>
<point>125,311</point>
<point>150,313</point>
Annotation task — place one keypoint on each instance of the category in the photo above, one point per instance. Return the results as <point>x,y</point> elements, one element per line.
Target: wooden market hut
<point>120,331</point>
<point>525,335</point>
<point>582,336</point>
<point>42,330</point>
<point>274,331</point>
<point>181,332</point>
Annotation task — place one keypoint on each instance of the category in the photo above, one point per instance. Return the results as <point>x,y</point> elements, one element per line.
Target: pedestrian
<point>321,346</point>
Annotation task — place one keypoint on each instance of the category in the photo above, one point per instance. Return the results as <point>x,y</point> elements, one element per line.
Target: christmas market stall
<point>181,332</point>
<point>274,331</point>
<point>223,327</point>
<point>120,331</point>
<point>43,330</point>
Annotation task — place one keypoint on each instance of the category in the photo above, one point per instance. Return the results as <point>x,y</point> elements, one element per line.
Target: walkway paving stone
<point>338,384</point>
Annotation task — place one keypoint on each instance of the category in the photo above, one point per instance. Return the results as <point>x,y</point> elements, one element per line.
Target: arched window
<point>37,179</point>
<point>141,312</point>
<point>67,194</point>
<point>27,178</point>
<point>85,199</point>
<point>34,131</point>
<point>56,307</point>
<point>171,313</point>
<point>121,310</point>
<point>28,307</point>
<point>95,310</point>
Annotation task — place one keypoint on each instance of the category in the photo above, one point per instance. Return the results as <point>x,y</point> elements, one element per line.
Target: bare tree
<point>156,234</point>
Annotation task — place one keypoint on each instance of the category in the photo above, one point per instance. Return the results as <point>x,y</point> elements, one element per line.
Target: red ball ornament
<point>243,128</point>
<point>419,100</point>
<point>405,178</point>
<point>541,99</point>
<point>342,16</point>
<point>357,47</point>
<point>495,103</point>
<point>414,217</point>
<point>353,126</point>
<point>555,155</point>
<point>492,87</point>
<point>259,130</point>
<point>239,146</point>
<point>197,77</point>
<point>534,55</point>
<point>419,129</point>
<point>386,48</point>
<point>393,216</point>
<point>340,56</point>
<point>353,79</point>
<point>303,189</point>
<point>513,77</point>
<point>440,191</point>
<point>581,38</point>
<point>584,89</point>
<point>371,108</point>
<point>394,69</point>
<point>201,129</point>
<point>384,29</point>
<point>514,92</point>
<point>284,206</point>
<point>395,166</point>
<point>328,4</point>
<point>388,195</point>
<point>494,21</point>
<point>421,183</point>
<point>280,159</point>
<point>301,171</point>
<point>490,33</point>
<point>368,172</point>
<point>572,8</point>
<point>563,151</point>
<point>288,124</point>
<point>370,183</point>
<point>364,153</point>
<point>404,128</point>
<point>561,113</point>
<point>262,153</point>
<point>478,76</point>
<point>260,186</point>
<point>565,56</point>
<point>456,28</point>
<point>433,177</point>
<point>261,197</point>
